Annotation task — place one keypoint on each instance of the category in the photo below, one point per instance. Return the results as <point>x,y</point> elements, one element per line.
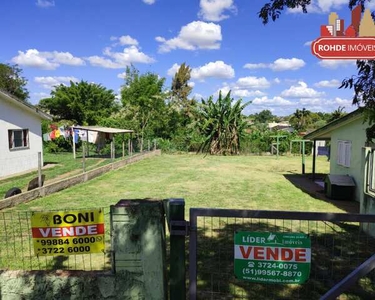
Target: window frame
<point>24,138</point>
<point>344,153</point>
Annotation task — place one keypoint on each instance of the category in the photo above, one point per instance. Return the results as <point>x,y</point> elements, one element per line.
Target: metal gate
<point>342,251</point>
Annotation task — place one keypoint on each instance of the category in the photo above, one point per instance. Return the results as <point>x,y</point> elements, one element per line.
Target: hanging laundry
<point>53,126</point>
<point>57,133</point>
<point>62,131</point>
<point>83,134</point>
<point>93,135</point>
<point>100,141</point>
<point>46,137</point>
<point>68,132</point>
<point>52,134</point>
<point>76,136</point>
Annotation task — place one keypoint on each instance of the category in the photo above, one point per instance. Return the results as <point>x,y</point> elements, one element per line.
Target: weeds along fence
<point>337,248</point>
<point>17,251</point>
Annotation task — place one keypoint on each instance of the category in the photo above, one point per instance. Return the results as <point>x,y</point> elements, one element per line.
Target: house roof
<point>325,131</point>
<point>25,106</point>
<point>103,129</point>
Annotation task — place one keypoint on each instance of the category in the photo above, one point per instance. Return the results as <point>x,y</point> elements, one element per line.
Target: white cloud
<point>98,61</point>
<point>237,92</point>
<point>217,69</point>
<point>41,95</point>
<point>321,6</point>
<point>149,2</point>
<point>252,82</point>
<point>49,82</point>
<point>46,60</point>
<point>117,60</point>
<point>191,84</point>
<point>336,63</point>
<point>256,66</point>
<point>283,64</point>
<point>45,3</point>
<point>125,40</point>
<point>280,64</point>
<point>275,101</point>
<point>198,96</point>
<point>277,80</point>
<point>173,70</point>
<point>213,10</point>
<point>121,75</point>
<point>195,35</point>
<point>301,91</point>
<point>308,43</point>
<point>334,83</point>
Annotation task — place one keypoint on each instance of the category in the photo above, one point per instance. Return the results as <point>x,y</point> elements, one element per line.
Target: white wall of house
<point>16,117</point>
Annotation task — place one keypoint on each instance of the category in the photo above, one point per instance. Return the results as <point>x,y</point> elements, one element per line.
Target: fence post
<point>83,157</point>
<point>154,145</point>
<point>177,275</point>
<point>148,145</point>
<point>40,169</point>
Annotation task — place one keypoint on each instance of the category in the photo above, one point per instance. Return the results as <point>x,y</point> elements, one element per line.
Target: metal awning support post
<point>314,160</point>
<point>123,145</point>
<point>83,157</point>
<point>87,143</point>
<point>74,143</point>
<point>303,156</point>
<point>112,150</point>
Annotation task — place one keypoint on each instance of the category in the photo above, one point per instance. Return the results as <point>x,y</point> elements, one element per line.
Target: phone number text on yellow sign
<point>68,232</point>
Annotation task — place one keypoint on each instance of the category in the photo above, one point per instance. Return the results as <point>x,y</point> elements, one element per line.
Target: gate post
<point>138,241</point>
<point>178,231</point>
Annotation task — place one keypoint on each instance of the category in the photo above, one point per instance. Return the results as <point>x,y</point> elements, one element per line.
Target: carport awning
<point>103,129</point>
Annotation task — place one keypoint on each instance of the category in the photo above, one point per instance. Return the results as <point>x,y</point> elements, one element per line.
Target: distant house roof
<point>23,105</point>
<point>325,131</point>
<point>103,129</point>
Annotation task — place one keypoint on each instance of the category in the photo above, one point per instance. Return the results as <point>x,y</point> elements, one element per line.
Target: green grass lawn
<point>238,182</point>
<point>57,165</point>
<point>245,182</point>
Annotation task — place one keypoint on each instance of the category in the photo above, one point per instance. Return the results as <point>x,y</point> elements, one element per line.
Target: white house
<point>20,135</point>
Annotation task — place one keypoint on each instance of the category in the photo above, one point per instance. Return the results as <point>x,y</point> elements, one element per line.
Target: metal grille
<point>338,246</point>
<point>17,253</point>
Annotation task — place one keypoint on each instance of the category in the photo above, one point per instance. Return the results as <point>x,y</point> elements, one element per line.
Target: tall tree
<point>82,102</point>
<point>180,86</point>
<point>143,98</point>
<point>337,114</point>
<point>264,116</point>
<point>12,81</point>
<point>300,119</point>
<point>222,125</point>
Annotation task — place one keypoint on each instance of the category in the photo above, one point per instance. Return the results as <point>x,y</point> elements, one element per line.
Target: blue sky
<point>224,41</point>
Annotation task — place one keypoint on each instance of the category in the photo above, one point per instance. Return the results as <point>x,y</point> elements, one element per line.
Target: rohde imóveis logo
<point>356,41</point>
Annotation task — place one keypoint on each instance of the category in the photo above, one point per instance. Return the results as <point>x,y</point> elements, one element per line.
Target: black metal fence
<point>339,244</point>
<point>17,252</point>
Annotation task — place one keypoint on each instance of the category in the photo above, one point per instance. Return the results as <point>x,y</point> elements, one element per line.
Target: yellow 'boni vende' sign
<point>68,232</point>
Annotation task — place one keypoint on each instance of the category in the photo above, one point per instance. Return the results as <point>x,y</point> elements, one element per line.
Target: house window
<point>344,149</point>
<point>18,139</point>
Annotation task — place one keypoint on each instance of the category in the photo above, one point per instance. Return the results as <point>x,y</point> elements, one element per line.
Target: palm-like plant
<point>222,125</point>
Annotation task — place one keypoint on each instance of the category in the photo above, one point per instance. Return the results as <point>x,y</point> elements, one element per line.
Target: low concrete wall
<point>36,285</point>
<point>77,179</point>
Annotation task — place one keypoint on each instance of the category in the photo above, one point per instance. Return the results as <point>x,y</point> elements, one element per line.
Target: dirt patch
<point>307,185</point>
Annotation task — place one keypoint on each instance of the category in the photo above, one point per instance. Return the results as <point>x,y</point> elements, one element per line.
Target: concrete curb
<point>77,179</point>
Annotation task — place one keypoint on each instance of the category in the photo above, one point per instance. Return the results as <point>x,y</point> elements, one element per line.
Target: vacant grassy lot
<point>246,182</point>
